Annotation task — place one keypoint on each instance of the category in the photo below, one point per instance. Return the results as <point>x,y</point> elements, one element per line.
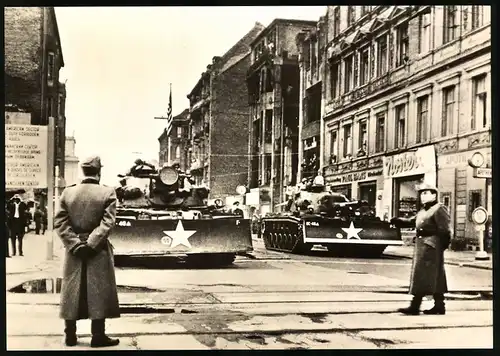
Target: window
<point>450,23</point>
<point>382,55</point>
<point>446,200</point>
<point>178,153</point>
<point>403,43</point>
<point>60,102</point>
<point>365,10</point>
<point>476,16</point>
<point>348,62</point>
<point>380,133</point>
<point>448,107</point>
<point>180,131</point>
<point>307,55</point>
<point>364,66</point>
<point>351,15</point>
<point>422,113</point>
<point>336,21</point>
<point>313,56</point>
<point>333,147</point>
<point>400,139</point>
<point>347,140</point>
<point>424,33</point>
<point>334,80</point>
<point>363,135</point>
<point>479,100</point>
<point>50,66</point>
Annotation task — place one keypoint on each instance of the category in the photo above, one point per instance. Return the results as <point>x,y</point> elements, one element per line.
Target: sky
<point>119,62</point>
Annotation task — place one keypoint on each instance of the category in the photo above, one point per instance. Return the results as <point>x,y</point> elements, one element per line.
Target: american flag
<point>169,112</point>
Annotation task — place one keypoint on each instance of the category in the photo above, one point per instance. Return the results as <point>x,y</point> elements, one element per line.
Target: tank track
<point>284,235</point>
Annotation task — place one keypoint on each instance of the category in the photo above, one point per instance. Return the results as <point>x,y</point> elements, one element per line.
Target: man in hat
<point>433,234</point>
<point>236,210</point>
<point>86,215</point>
<point>17,222</point>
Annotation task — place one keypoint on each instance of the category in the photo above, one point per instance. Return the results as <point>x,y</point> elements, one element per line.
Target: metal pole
<point>50,188</point>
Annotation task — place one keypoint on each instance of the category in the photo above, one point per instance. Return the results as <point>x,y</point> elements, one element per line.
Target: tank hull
<point>166,236</point>
<point>298,235</point>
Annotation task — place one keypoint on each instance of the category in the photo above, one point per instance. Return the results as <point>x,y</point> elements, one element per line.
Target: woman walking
<point>433,235</point>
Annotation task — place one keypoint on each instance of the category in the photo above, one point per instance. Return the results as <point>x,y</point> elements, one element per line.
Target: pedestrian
<point>44,220</point>
<point>17,223</point>
<point>86,216</point>
<point>433,235</point>
<point>6,232</point>
<point>38,217</point>
<point>236,210</point>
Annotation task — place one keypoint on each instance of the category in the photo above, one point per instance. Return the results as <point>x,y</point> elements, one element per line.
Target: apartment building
<point>176,144</point>
<point>273,88</point>
<point>219,121</point>
<point>399,112</point>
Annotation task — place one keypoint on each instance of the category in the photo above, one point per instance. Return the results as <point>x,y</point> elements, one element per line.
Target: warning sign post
<point>26,154</point>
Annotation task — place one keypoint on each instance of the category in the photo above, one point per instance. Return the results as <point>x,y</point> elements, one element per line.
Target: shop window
<point>406,197</point>
<point>475,201</point>
<point>368,192</point>
<point>343,189</point>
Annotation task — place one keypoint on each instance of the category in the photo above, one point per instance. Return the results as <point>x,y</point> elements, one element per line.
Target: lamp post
<point>480,214</point>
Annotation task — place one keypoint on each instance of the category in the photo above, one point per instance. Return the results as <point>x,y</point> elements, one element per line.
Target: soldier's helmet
<point>92,162</point>
<point>426,186</point>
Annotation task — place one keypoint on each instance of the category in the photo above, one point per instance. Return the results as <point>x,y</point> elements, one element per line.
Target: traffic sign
<point>480,216</point>
<point>482,173</point>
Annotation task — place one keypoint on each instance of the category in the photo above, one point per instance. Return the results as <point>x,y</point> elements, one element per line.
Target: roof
<point>280,21</point>
<point>56,28</point>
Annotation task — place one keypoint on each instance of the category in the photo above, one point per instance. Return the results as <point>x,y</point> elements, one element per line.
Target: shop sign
<point>459,159</point>
<point>356,176</point>
<point>482,173</point>
<point>410,163</point>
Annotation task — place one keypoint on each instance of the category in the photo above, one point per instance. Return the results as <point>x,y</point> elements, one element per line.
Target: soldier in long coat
<point>433,235</point>
<point>86,215</point>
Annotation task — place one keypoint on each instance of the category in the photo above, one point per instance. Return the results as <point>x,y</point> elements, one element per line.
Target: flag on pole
<point>169,112</point>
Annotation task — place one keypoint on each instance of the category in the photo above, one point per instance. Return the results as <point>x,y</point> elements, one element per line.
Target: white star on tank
<point>180,236</point>
<point>352,232</point>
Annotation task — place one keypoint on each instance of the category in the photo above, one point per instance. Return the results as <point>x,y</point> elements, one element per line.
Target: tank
<point>316,216</point>
<point>162,212</point>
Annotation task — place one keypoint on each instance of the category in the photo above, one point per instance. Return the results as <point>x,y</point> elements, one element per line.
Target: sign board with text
<point>420,161</point>
<point>482,173</point>
<point>26,156</point>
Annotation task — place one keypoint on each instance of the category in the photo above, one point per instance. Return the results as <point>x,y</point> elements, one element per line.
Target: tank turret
<point>165,188</point>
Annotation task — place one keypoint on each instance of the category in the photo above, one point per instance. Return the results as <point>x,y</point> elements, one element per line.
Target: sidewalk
<point>457,258</point>
<point>35,255</point>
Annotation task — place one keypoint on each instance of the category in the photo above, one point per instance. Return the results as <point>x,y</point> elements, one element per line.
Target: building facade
<point>71,169</point>
<point>273,88</point>
<point>174,146</point>
<point>33,58</point>
<point>398,112</point>
<point>219,121</point>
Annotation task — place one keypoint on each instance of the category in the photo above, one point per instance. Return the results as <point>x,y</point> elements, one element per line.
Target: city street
<point>269,301</point>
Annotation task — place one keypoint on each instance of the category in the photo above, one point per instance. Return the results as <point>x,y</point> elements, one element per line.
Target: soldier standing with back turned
<point>87,214</point>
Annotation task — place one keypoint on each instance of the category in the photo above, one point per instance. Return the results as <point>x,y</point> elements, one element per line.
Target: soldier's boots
<point>414,308</point>
<point>99,337</point>
<point>70,332</point>
<point>438,308</point>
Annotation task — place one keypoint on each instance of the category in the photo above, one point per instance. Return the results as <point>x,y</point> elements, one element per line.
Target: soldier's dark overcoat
<point>88,211</point>
<point>428,276</point>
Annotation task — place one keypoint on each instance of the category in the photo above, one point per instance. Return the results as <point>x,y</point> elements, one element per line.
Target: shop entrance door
<point>343,189</point>
<point>368,191</point>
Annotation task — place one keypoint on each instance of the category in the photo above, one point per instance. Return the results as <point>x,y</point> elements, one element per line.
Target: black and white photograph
<point>248,177</point>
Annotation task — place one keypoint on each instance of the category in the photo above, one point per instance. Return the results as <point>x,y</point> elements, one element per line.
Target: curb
<point>453,263</point>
